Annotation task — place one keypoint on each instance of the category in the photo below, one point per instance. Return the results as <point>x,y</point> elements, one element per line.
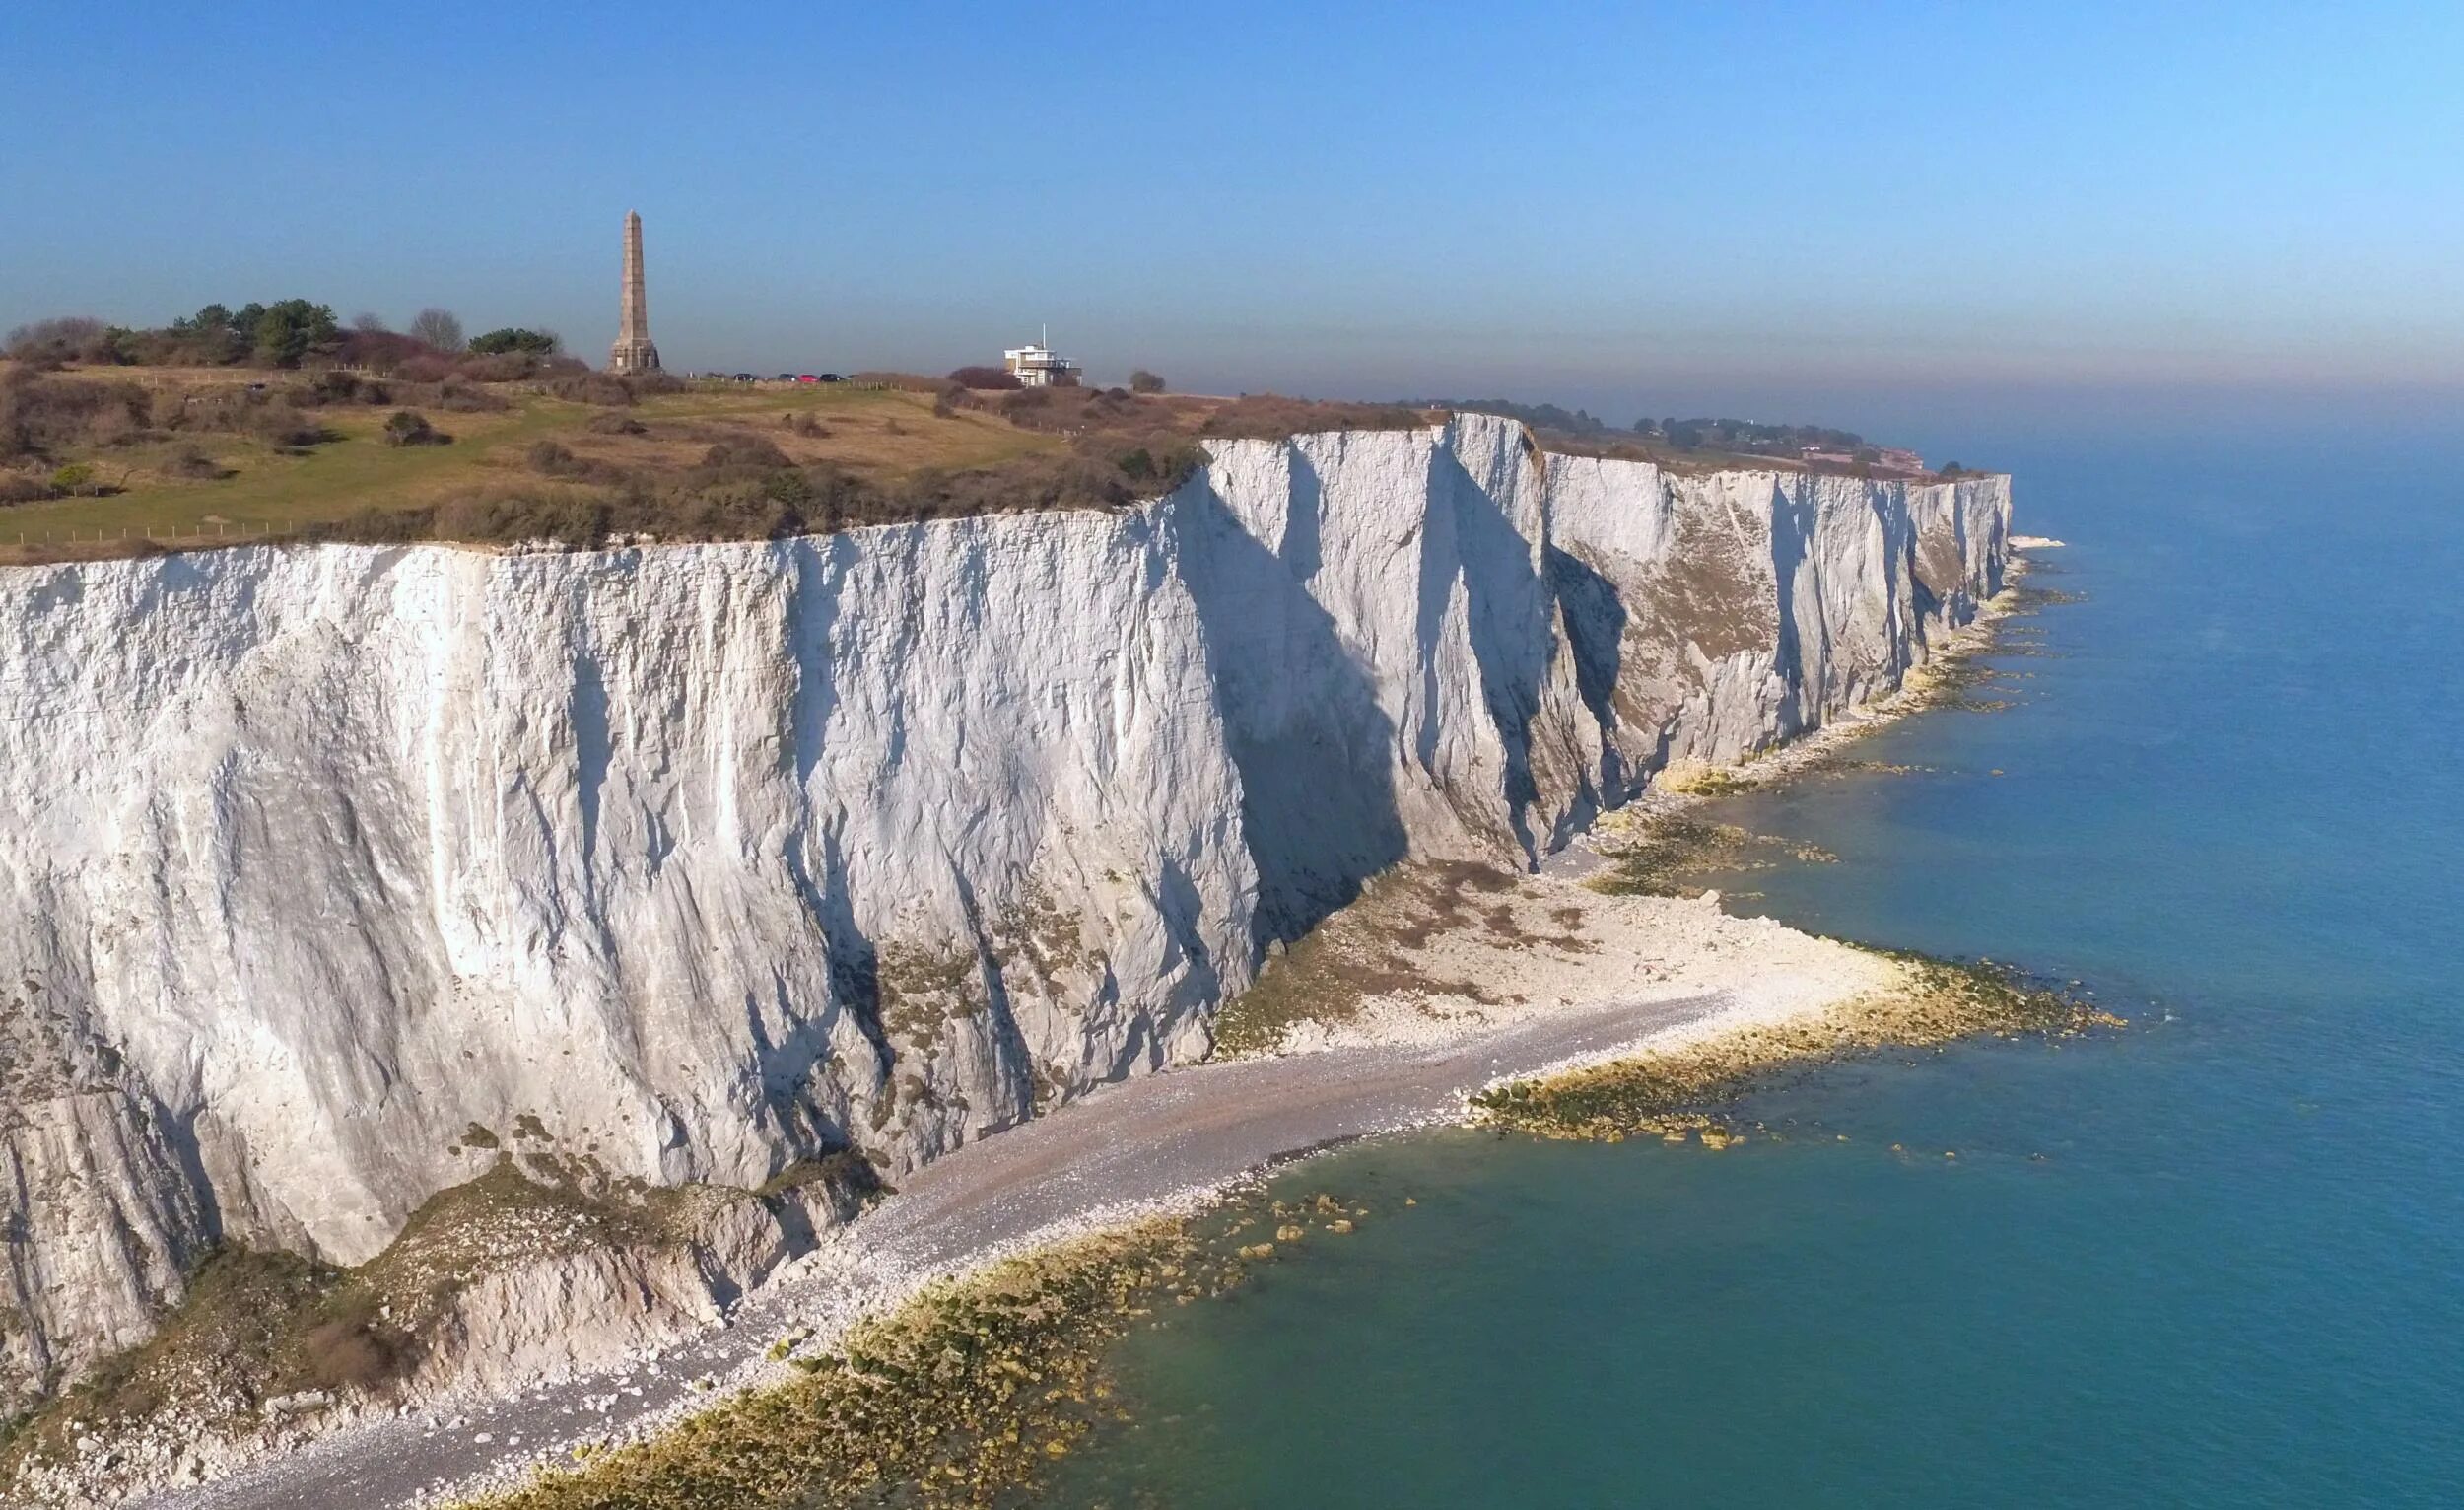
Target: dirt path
<point>1138,1144</point>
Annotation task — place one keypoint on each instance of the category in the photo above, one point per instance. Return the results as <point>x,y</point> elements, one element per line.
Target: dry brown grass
<point>256,490</point>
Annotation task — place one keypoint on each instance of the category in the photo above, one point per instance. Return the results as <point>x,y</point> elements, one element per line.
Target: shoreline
<point>1422,1053</point>
<point>1165,1145</point>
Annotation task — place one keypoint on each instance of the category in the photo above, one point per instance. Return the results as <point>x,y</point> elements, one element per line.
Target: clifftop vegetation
<point>1697,442</point>
<point>276,421</point>
<point>109,459</point>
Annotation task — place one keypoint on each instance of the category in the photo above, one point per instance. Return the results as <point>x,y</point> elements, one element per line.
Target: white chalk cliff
<point>710,858</point>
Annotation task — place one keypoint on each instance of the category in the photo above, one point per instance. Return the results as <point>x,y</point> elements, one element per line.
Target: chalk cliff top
<point>131,461</point>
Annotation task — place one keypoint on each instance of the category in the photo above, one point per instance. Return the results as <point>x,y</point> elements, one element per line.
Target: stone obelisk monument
<point>633,351</point>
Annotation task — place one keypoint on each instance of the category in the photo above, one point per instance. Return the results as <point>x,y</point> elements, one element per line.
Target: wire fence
<point>64,542</point>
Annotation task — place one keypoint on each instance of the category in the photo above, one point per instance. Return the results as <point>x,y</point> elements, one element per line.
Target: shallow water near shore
<point>2216,1260</point>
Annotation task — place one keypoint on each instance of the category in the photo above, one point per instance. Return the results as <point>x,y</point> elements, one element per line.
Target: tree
<point>437,329</point>
<point>287,331</point>
<point>370,322</point>
<point>513,338</point>
<point>409,427</point>
<point>212,335</point>
<point>1145,382</point>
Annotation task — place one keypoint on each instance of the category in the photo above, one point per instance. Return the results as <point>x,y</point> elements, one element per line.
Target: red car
<point>806,378</point>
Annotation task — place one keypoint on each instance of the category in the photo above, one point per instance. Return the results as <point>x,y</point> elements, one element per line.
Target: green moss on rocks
<point>956,1399</point>
<point>1676,1093</point>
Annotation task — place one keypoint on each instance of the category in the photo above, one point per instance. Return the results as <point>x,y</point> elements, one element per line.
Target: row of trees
<point>282,334</point>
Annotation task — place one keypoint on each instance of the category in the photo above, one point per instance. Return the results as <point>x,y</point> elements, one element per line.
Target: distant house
<point>1040,366</point>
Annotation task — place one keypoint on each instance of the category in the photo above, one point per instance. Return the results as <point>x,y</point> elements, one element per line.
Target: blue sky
<point>1854,213</point>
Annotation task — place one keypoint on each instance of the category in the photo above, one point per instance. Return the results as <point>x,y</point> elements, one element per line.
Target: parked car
<point>744,376</point>
<point>832,378</point>
<point>787,377</point>
<point>806,378</point>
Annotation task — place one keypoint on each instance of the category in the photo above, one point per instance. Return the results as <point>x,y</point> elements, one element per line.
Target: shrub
<point>424,369</point>
<point>50,342</point>
<point>284,428</point>
<point>986,378</point>
<point>41,415</point>
<point>593,388</point>
<point>377,526</point>
<point>1159,467</point>
<point>1145,382</point>
<point>551,459</point>
<point>1077,410</point>
<point>804,425</point>
<point>616,425</point>
<point>1273,417</point>
<point>516,339</point>
<point>455,396</point>
<point>578,523</point>
<point>332,387</point>
<point>273,418</point>
<point>191,463</point>
<point>25,488</point>
<point>409,427</point>
<point>905,383</point>
<point>737,452</point>
<point>382,350</point>
<point>499,367</point>
<point>77,477</point>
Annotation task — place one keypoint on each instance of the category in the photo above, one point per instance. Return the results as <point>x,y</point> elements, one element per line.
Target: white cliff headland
<point>335,875</point>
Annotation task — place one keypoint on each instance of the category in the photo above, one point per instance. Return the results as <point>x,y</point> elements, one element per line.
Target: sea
<point>2215,1259</point>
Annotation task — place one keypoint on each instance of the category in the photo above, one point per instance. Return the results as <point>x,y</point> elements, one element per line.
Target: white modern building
<point>1040,366</point>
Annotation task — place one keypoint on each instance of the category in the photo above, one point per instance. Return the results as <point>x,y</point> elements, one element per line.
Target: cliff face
<point>324,873</point>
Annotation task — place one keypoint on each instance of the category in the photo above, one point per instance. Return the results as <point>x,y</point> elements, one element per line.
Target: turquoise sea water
<point>2217,1260</point>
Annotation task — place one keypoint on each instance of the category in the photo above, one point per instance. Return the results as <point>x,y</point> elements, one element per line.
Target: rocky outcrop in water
<point>325,870</point>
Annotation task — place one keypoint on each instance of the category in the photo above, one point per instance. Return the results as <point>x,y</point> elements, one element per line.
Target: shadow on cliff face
<point>1508,612</point>
<point>1791,526</point>
<point>789,1065</point>
<point>1314,750</point>
<point>1594,619</point>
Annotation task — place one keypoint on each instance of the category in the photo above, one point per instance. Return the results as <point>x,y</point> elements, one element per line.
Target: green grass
<point>873,432</point>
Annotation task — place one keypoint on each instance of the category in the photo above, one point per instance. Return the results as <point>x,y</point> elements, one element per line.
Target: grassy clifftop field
<point>187,458</point>
<point>118,460</point>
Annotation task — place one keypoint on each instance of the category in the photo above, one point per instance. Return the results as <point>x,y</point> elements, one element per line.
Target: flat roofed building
<point>1040,366</point>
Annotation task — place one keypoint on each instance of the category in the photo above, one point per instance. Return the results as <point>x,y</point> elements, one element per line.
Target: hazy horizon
<point>1912,221</point>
